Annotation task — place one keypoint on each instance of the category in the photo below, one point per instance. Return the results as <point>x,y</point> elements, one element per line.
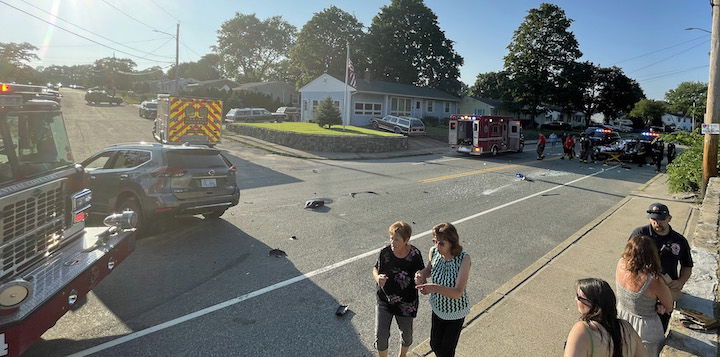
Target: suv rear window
<point>151,105</point>
<point>195,159</point>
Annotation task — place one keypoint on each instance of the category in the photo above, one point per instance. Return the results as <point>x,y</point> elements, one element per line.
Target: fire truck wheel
<point>522,146</point>
<point>494,151</point>
<point>215,214</point>
<point>131,204</point>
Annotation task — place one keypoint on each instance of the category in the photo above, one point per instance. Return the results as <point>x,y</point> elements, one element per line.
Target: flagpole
<point>347,105</point>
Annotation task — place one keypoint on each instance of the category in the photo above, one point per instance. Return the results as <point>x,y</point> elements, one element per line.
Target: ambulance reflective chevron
<point>183,120</point>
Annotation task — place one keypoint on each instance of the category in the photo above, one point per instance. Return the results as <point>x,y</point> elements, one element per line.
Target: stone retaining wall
<point>324,143</point>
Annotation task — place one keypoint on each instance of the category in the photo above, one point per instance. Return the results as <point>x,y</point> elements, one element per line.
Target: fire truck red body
<point>49,260</point>
<point>480,134</point>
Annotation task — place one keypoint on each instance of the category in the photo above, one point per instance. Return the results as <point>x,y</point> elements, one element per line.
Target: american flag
<point>351,74</point>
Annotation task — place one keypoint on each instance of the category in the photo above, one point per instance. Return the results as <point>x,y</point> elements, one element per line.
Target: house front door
<point>417,108</point>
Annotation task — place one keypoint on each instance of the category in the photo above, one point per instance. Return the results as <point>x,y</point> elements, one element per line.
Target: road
<point>210,288</point>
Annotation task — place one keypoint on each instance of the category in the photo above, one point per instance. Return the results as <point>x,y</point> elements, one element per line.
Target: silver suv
<point>153,179</point>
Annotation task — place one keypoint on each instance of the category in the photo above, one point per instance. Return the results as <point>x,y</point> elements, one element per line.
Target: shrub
<point>685,172</point>
<point>328,115</point>
<point>430,120</point>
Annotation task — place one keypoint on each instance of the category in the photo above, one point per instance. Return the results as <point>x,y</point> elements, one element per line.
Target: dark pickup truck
<point>100,96</point>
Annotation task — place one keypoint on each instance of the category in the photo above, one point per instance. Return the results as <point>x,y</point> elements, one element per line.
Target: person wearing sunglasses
<point>639,287</point>
<point>396,294</point>
<point>600,333</point>
<point>449,267</point>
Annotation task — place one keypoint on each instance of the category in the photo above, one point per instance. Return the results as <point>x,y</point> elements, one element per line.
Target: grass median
<point>314,129</point>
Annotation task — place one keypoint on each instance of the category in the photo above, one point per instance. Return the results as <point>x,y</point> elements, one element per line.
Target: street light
<point>177,55</point>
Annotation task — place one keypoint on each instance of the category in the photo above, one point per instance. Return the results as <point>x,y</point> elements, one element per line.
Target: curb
<point>480,308</point>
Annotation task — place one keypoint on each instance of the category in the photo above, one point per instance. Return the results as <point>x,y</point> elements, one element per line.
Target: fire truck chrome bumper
<point>464,149</point>
<point>59,281</point>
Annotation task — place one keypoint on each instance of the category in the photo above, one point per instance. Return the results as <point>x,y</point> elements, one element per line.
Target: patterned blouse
<point>399,291</point>
<point>445,273</point>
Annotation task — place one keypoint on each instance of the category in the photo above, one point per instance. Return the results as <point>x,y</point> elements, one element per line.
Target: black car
<point>153,179</point>
<point>556,125</point>
<point>100,96</point>
<point>602,136</point>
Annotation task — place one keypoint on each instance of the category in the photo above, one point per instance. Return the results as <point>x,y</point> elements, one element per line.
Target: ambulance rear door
<point>453,130</point>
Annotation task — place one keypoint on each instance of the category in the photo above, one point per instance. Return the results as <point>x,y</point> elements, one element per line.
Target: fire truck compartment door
<point>476,132</point>
<point>453,132</point>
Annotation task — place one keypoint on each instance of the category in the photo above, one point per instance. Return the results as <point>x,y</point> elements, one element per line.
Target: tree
<point>328,114</point>
<point>577,89</point>
<point>321,45</point>
<point>250,48</point>
<point>689,98</point>
<point>405,44</point>
<point>206,68</point>
<point>541,48</point>
<point>651,111</point>
<point>618,93</point>
<point>113,73</point>
<point>494,85</point>
<point>14,62</point>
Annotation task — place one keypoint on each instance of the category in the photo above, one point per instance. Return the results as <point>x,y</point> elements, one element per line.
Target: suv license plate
<point>208,183</point>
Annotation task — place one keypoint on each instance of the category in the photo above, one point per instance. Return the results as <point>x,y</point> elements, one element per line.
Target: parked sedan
<point>153,179</point>
<point>148,109</point>
<point>556,125</point>
<point>399,124</point>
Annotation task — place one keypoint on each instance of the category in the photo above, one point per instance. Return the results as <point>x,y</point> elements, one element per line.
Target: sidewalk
<point>531,314</point>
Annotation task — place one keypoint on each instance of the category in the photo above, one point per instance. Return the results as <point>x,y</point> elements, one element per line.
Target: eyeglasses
<point>583,300</point>
<point>439,243</point>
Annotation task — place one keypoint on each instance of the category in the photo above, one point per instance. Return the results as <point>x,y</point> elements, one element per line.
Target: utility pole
<point>177,60</point>
<point>712,112</point>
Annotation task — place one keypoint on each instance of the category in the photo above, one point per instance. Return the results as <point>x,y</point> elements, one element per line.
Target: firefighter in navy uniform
<point>658,151</point>
<point>670,153</point>
<point>585,148</point>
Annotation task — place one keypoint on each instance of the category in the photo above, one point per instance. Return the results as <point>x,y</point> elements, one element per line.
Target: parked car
<point>556,125</point>
<point>290,113</point>
<point>153,179</point>
<point>250,115</point>
<point>602,135</point>
<point>399,124</point>
<point>148,109</point>
<point>100,96</point>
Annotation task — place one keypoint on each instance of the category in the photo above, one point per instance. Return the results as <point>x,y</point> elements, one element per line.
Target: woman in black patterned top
<point>397,297</point>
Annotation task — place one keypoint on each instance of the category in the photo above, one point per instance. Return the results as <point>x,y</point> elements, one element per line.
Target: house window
<point>430,106</point>
<point>400,106</point>
<point>447,107</point>
<point>368,109</point>
<point>479,111</point>
<point>315,106</point>
<point>336,103</point>
<point>417,105</point>
<point>304,105</point>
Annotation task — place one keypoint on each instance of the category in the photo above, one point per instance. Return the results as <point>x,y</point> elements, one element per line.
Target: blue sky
<point>645,38</point>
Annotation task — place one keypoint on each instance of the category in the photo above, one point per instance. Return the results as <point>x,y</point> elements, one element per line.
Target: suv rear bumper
<point>168,203</point>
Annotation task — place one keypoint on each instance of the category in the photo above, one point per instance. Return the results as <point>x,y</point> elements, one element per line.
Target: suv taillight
<point>167,171</point>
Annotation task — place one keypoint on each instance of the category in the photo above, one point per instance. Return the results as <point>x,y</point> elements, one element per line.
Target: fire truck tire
<point>215,214</point>
<point>494,151</point>
<point>521,148</point>
<point>131,204</point>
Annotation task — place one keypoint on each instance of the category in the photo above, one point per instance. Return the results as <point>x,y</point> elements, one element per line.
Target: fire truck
<point>49,260</point>
<point>480,134</point>
<point>183,120</point>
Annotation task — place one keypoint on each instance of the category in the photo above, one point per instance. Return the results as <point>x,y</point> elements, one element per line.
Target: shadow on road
<point>199,264</point>
<point>251,175</point>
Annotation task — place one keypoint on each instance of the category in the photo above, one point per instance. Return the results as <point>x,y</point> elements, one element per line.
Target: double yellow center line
<point>482,171</point>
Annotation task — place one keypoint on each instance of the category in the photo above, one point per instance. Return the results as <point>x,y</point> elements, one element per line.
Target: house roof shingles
<point>402,89</point>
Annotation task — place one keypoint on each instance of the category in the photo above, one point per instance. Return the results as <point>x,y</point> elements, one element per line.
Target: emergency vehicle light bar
<point>649,133</point>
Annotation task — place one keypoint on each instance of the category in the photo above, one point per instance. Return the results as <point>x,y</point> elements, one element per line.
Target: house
<point>556,114</point>
<point>282,92</point>
<point>376,99</point>
<point>168,85</point>
<point>483,106</point>
<point>678,121</point>
<point>222,84</point>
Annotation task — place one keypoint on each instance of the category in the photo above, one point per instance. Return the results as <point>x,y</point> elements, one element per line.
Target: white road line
<point>299,278</point>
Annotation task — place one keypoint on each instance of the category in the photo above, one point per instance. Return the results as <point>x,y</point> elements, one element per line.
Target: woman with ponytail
<point>642,292</point>
<point>600,333</point>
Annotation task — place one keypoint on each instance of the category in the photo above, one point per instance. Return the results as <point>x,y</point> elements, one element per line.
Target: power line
<point>161,8</point>
<point>92,44</point>
<point>656,51</point>
<point>81,36</point>
<point>190,49</point>
<point>92,32</point>
<point>128,15</point>
<point>668,57</point>
<point>673,73</point>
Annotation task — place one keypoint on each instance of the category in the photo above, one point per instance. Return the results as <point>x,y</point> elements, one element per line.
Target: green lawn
<point>314,129</point>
